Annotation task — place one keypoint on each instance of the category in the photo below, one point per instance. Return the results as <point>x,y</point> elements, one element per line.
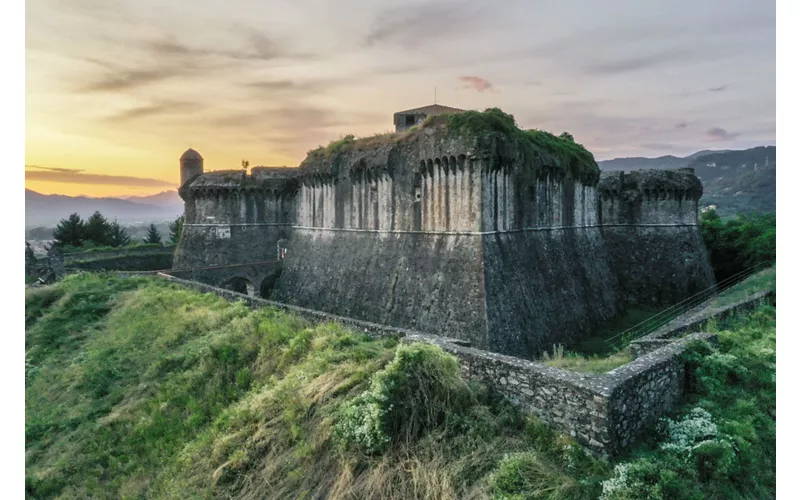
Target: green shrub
<point>530,475</point>
<point>738,244</point>
<point>412,395</point>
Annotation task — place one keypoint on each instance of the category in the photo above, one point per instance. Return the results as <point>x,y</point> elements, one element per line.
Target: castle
<point>462,226</point>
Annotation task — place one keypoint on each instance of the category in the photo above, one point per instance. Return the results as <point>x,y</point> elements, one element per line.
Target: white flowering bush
<point>631,482</point>
<point>362,423</point>
<point>695,427</point>
<point>413,394</point>
<point>693,447</point>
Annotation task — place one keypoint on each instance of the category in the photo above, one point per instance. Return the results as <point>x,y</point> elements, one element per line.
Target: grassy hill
<point>138,389</point>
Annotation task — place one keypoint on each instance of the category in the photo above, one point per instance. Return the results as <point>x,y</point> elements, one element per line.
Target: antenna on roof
<point>434,94</point>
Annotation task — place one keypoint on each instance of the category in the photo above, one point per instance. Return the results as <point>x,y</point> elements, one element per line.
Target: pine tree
<point>117,236</point>
<point>175,230</point>
<point>98,229</point>
<point>70,231</point>
<point>152,235</point>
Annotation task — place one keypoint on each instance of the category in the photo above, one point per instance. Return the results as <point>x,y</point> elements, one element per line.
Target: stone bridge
<point>256,279</point>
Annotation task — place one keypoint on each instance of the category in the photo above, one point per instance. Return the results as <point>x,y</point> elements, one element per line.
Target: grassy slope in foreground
<point>137,389</point>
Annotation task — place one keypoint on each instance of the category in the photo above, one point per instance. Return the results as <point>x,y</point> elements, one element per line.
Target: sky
<point>116,90</point>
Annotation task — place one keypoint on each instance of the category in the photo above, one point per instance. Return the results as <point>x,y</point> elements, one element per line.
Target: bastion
<point>463,226</point>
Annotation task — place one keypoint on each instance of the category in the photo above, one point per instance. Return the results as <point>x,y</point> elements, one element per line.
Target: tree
<point>567,136</point>
<point>152,235</point>
<point>98,229</point>
<point>70,231</point>
<point>117,236</point>
<point>245,164</point>
<point>740,244</point>
<point>175,230</point>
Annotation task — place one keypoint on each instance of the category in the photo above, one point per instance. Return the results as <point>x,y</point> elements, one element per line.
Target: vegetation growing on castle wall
<point>536,147</point>
<point>138,389</point>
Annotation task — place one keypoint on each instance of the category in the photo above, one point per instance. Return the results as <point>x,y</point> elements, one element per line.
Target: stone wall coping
<point>94,255</point>
<point>647,361</point>
<point>703,313</point>
<point>588,381</point>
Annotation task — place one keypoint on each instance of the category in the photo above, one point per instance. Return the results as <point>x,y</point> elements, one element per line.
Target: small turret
<point>191,165</point>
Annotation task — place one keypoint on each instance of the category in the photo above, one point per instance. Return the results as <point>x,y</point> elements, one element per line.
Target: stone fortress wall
<point>233,217</point>
<point>650,229</point>
<point>474,237</point>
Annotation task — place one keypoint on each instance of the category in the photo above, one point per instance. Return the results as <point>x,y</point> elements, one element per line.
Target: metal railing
<point>667,315</point>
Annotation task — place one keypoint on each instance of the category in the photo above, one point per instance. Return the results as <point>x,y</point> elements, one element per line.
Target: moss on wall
<point>492,131</point>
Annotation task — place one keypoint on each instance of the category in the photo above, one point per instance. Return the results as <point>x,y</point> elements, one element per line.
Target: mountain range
<point>48,209</point>
<point>735,181</point>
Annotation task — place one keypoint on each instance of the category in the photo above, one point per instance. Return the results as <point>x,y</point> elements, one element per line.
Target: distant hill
<point>166,199</point>
<point>662,162</point>
<point>735,181</point>
<point>47,210</point>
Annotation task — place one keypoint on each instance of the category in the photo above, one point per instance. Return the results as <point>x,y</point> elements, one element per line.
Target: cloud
<point>126,79</point>
<point>51,174</point>
<point>637,63</point>
<point>682,125</point>
<point>720,134</point>
<point>55,169</point>
<point>718,89</point>
<point>166,58</point>
<point>151,110</point>
<point>294,89</point>
<point>415,25</point>
<point>658,146</point>
<point>477,83</point>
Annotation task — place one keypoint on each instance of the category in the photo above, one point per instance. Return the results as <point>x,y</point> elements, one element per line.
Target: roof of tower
<point>191,154</point>
<point>433,109</point>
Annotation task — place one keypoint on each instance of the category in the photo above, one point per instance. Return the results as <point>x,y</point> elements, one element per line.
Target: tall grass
<point>138,389</point>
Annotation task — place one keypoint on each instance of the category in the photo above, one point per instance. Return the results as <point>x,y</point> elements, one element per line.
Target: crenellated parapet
<point>650,197</point>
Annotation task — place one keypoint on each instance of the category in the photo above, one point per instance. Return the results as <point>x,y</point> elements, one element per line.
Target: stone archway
<point>268,284</point>
<point>239,285</point>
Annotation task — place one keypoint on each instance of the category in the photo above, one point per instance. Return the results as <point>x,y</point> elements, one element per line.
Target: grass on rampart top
<point>486,125</point>
<point>578,362</point>
<point>138,389</point>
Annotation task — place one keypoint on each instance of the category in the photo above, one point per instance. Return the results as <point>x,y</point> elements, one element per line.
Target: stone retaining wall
<point>117,252</point>
<point>130,261</point>
<point>696,320</point>
<point>604,412</point>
